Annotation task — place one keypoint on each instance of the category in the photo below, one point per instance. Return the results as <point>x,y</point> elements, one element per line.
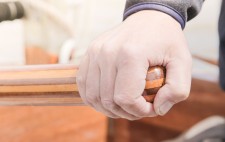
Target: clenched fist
<point>112,75</point>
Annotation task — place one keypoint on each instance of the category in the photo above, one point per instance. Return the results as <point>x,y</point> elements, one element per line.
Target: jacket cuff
<point>155,6</point>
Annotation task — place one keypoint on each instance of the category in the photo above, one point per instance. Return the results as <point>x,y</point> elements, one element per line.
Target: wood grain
<point>206,99</point>
<point>57,80</point>
<point>52,123</point>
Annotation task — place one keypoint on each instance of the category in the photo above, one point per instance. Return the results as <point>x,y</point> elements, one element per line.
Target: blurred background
<point>60,31</point>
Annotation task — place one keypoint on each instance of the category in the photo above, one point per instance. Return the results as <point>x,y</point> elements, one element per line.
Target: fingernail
<point>164,108</point>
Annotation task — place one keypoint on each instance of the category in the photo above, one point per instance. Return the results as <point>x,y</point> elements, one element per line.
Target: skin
<point>111,77</point>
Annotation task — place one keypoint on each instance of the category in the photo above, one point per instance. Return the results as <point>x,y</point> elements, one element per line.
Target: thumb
<point>176,88</point>
<point>163,101</point>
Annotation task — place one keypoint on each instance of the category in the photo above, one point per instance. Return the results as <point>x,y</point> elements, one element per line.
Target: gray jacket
<point>181,10</point>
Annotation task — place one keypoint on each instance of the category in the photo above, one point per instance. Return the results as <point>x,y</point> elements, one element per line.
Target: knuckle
<point>109,105</point>
<point>91,98</point>
<point>184,95</point>
<point>130,53</point>
<point>106,54</point>
<point>118,100</point>
<point>123,101</point>
<point>107,49</point>
<point>181,93</point>
<point>128,56</point>
<point>94,48</point>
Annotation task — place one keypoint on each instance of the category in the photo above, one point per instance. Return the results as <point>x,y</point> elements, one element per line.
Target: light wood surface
<point>51,123</point>
<point>55,85</point>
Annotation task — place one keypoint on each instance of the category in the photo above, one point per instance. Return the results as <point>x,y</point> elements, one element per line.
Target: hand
<point>112,75</point>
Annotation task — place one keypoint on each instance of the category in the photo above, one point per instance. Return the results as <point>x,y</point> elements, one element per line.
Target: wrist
<point>156,7</point>
<point>152,17</point>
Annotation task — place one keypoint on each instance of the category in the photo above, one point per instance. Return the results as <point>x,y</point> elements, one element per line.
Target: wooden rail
<point>55,85</point>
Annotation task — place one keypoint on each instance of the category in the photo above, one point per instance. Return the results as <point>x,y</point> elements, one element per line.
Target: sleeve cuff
<point>156,6</point>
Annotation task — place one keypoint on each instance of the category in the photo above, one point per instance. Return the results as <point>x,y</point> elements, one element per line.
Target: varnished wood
<point>22,85</point>
<point>155,79</point>
<point>52,123</point>
<point>206,99</point>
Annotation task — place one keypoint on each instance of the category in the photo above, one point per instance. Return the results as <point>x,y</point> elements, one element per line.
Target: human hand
<point>111,77</point>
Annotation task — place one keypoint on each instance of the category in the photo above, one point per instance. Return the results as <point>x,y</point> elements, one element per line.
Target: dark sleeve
<point>180,10</point>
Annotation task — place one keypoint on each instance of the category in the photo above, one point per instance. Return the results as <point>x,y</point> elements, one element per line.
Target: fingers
<point>107,85</point>
<point>130,83</point>
<point>177,85</point>
<point>93,86</point>
<point>117,91</point>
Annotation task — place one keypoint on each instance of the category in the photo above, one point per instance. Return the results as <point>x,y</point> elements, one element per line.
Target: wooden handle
<point>55,85</point>
<point>155,79</point>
